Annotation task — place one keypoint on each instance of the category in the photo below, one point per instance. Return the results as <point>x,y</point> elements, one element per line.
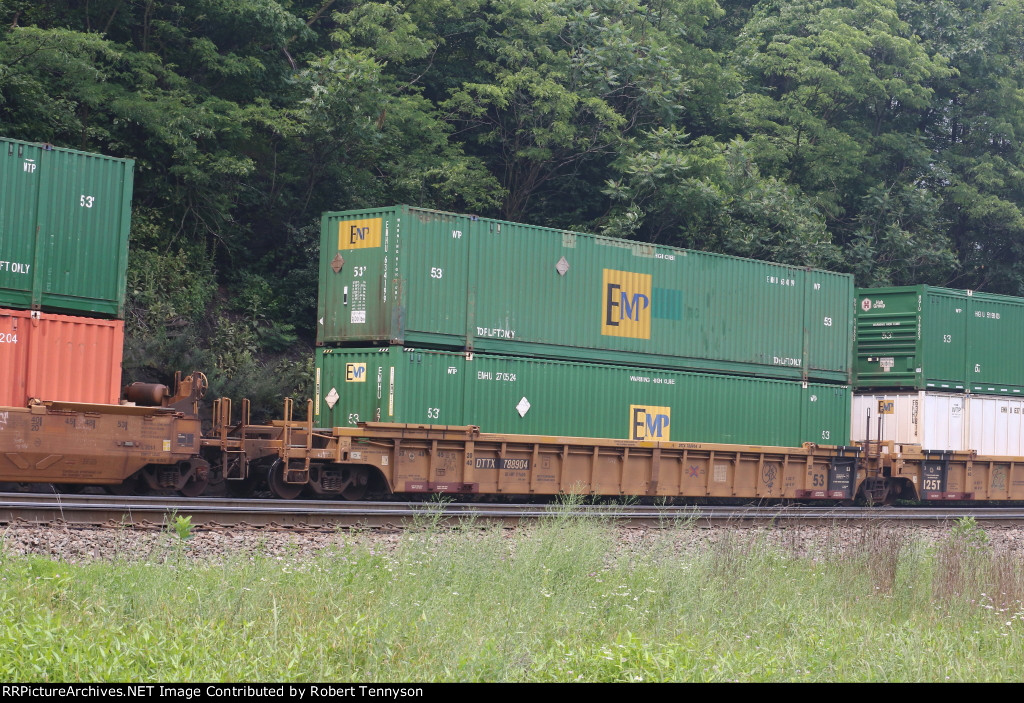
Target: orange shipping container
<point>59,357</point>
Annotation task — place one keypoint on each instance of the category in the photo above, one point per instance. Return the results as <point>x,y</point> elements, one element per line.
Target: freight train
<point>592,362</point>
<point>154,442</point>
<point>158,444</point>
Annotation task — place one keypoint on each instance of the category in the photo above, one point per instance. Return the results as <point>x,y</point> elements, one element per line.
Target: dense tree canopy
<point>877,137</point>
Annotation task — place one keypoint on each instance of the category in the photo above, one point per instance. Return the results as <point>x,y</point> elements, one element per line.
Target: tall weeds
<point>564,599</point>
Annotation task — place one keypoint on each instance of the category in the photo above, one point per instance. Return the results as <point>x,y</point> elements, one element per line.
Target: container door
<point>434,262</point>
<point>82,239</point>
<point>884,417</point>
<point>358,281</point>
<point>826,414</point>
<point>995,333</point>
<point>828,322</point>
<point>944,421</point>
<point>393,276</point>
<point>943,334</point>
<point>887,353</point>
<point>353,386</point>
<point>913,337</point>
<point>19,194</point>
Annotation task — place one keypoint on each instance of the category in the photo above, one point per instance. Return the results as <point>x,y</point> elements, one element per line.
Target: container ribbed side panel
<point>996,425</point>
<point>939,339</point>
<point>66,218</point>
<point>19,196</point>
<point>60,357</point>
<point>82,232</point>
<point>14,349</point>
<point>437,280</point>
<point>995,338</point>
<point>523,395</point>
<point>933,421</point>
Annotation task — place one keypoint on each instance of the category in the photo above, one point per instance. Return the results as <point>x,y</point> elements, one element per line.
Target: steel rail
<point>149,511</point>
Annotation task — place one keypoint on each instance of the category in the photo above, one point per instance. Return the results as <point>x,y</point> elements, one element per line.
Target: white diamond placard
<point>332,398</point>
<point>562,266</point>
<point>523,407</point>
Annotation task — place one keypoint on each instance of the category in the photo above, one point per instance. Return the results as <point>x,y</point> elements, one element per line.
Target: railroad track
<point>155,511</point>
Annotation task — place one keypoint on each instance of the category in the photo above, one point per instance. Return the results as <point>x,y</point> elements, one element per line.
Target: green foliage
<point>879,137</point>
<point>246,351</point>
<point>899,239</point>
<point>255,299</point>
<point>831,76</point>
<point>52,81</point>
<point>705,195</point>
<point>963,563</point>
<point>265,381</point>
<point>559,84</point>
<point>370,136</point>
<point>975,124</point>
<point>835,94</point>
<point>168,287</point>
<point>180,525</point>
<point>968,531</point>
<point>166,301</point>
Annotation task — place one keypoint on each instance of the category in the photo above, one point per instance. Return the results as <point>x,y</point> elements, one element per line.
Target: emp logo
<point>359,234</point>
<point>649,422</point>
<point>626,304</point>
<point>355,373</point>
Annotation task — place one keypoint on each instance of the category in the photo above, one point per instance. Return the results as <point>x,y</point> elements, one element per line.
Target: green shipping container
<point>64,222</point>
<point>423,278</point>
<point>929,338</point>
<point>522,395</point>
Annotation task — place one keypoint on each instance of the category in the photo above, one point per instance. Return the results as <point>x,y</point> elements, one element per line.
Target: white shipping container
<point>936,421</point>
<point>996,425</point>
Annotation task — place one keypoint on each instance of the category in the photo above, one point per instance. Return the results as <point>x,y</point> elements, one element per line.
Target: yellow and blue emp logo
<point>625,304</point>
<point>355,372</point>
<point>649,422</point>
<point>359,234</point>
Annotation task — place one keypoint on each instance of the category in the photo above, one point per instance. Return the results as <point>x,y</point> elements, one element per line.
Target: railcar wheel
<point>198,471</point>
<point>357,486</point>
<point>278,486</point>
<point>354,492</point>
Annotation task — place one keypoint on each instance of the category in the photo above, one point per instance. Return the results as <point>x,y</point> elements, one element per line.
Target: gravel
<point>75,544</point>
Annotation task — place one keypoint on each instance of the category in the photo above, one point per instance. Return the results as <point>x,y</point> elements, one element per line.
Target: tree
<point>703,194</point>
<point>974,129</point>
<point>836,92</point>
<point>558,84</point>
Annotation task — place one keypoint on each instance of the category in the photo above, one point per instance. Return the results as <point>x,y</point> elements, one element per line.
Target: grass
<point>558,601</point>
